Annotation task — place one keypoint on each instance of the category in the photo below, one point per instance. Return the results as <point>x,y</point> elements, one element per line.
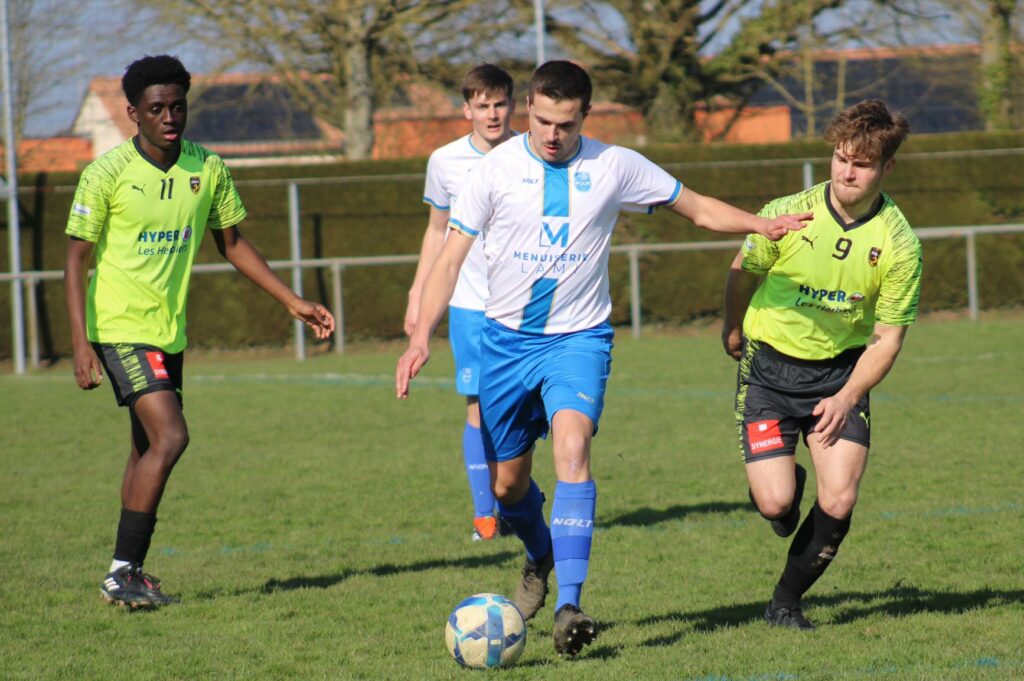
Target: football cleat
<point>573,630</point>
<point>533,587</point>
<point>130,587</point>
<point>787,617</point>
<point>485,528</point>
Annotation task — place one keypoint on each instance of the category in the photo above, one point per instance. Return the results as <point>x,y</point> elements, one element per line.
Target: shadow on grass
<point>275,585</point>
<point>897,601</point>
<point>642,517</point>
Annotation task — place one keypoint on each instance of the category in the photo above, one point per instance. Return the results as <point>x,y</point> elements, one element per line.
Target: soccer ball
<point>484,631</point>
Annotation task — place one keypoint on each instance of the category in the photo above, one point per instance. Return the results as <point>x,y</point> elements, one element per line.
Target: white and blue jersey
<point>547,229</point>
<point>448,170</point>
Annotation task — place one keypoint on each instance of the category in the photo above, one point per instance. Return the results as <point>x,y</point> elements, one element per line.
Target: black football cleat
<point>533,587</point>
<point>787,617</point>
<point>573,630</point>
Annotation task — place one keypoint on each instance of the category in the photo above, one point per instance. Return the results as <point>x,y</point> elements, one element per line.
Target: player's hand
<point>88,370</point>
<point>832,413</point>
<point>732,341</point>
<point>409,364</point>
<point>780,226</point>
<point>315,316</point>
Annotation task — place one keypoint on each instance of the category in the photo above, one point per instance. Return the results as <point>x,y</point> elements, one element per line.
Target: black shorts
<point>135,370</point>
<point>776,393</point>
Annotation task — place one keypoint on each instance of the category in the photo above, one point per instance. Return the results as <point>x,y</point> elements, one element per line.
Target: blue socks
<point>572,527</point>
<point>477,472</point>
<point>526,517</point>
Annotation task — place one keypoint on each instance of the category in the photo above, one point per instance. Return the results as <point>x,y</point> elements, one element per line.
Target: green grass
<point>319,529</point>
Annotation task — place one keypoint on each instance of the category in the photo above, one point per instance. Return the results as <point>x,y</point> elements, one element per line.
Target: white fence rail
<point>337,267</point>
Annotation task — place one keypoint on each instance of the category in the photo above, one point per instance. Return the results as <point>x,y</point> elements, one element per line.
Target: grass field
<point>319,529</point>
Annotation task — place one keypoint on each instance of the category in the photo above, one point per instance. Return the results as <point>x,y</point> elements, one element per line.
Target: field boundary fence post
<point>295,242</point>
<point>634,291</point>
<point>972,275</point>
<point>337,270</point>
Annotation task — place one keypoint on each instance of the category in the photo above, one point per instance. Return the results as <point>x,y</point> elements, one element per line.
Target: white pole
<point>538,23</point>
<point>296,254</point>
<point>11,192</point>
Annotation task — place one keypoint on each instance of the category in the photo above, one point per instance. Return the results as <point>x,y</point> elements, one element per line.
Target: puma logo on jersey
<point>810,241</point>
<point>139,189</point>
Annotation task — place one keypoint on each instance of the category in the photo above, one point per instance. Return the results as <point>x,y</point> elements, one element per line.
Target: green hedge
<point>388,217</point>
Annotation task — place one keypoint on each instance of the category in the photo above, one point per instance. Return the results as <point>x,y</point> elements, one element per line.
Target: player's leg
<point>485,523</point>
<point>512,418</point>
<point>148,382</point>
<point>575,377</point>
<point>839,470</point>
<point>464,331</point>
<point>768,431</point>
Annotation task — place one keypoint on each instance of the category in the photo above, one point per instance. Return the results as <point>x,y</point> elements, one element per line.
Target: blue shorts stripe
<point>571,547</point>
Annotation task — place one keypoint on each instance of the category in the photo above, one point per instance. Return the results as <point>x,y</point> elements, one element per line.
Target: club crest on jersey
<point>186,233</point>
<point>582,181</point>
<point>873,256</point>
<point>193,183</point>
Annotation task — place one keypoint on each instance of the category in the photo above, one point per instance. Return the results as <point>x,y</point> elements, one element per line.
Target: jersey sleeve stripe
<point>675,195</point>
<point>459,227</point>
<point>435,205</point>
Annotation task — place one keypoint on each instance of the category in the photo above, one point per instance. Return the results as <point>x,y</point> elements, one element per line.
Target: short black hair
<point>561,80</point>
<point>160,70</point>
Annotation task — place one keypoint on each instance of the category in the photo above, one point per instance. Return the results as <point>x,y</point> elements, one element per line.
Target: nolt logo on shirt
<point>764,436</point>
<point>156,363</point>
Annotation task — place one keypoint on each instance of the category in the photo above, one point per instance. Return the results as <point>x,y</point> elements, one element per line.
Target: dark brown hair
<point>486,79</point>
<point>562,80</point>
<point>869,130</point>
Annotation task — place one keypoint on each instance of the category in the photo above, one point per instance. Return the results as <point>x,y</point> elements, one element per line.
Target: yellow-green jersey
<point>147,223</point>
<point>826,285</point>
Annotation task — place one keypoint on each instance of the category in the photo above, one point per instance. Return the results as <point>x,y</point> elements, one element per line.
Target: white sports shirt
<point>447,171</point>
<point>547,228</point>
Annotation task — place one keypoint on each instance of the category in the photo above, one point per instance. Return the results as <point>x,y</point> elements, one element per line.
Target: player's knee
<point>169,446</point>
<point>838,505</point>
<point>773,507</point>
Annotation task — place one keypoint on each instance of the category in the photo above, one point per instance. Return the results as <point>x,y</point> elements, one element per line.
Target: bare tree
<point>668,57</point>
<point>337,58</point>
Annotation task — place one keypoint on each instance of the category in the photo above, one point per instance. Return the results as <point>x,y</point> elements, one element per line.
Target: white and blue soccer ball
<point>485,631</point>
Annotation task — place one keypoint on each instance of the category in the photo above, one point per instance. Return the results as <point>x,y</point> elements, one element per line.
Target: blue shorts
<point>526,378</point>
<point>464,329</point>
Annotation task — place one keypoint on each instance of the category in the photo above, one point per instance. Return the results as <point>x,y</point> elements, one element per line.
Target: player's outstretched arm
<point>739,289</point>
<point>237,250</point>
<point>437,291</point>
<point>871,368</point>
<point>88,370</point>
<point>717,216</point>
<point>433,243</point>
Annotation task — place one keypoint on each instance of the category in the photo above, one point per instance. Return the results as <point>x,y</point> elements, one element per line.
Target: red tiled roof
<point>53,155</point>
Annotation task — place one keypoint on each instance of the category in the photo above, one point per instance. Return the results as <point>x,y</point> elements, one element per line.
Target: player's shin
<point>572,529</point>
<point>813,549</point>
<point>526,517</point>
<point>477,472</point>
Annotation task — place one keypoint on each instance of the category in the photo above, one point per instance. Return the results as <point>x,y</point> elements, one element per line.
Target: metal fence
<point>337,267</point>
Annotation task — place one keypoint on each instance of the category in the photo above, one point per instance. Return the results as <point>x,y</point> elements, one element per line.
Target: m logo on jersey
<point>193,183</point>
<point>582,181</point>
<point>873,256</point>
<point>764,436</point>
<point>549,238</point>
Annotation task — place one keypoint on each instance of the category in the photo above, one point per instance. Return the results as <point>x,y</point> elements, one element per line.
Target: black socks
<point>813,548</point>
<point>134,532</point>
